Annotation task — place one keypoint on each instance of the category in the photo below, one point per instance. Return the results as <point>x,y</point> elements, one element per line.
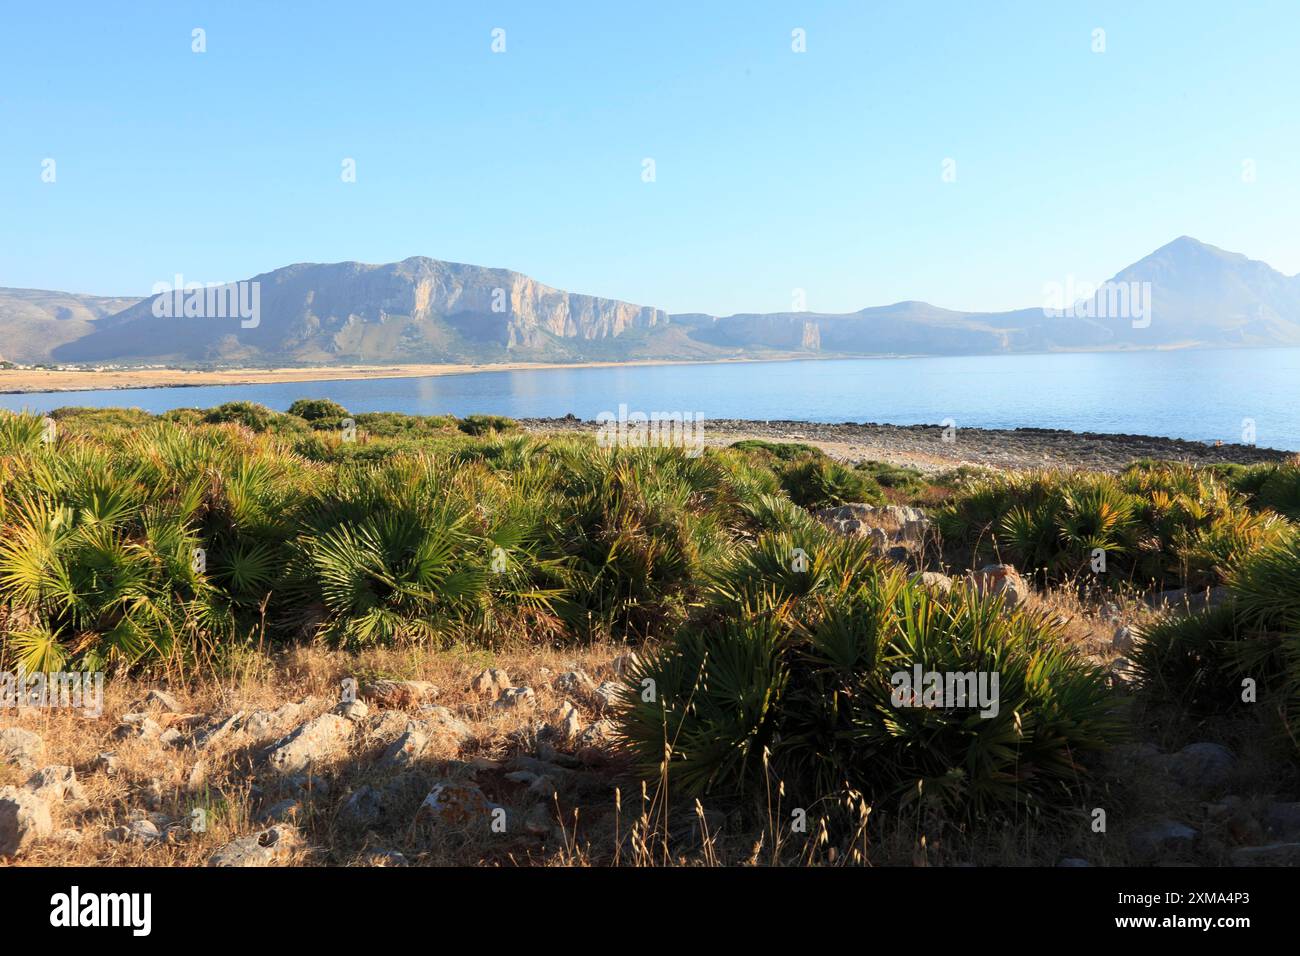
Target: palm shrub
<point>98,575</point>
<point>1200,661</point>
<point>1167,524</point>
<point>1280,488</point>
<point>249,414</point>
<point>793,674</point>
<point>820,482</point>
<point>385,556</point>
<point>640,525</point>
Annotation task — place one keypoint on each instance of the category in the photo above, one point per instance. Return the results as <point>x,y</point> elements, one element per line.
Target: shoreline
<point>30,381</point>
<point>22,381</point>
<point>922,446</point>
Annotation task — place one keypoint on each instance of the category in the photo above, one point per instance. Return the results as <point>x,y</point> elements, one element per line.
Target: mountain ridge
<point>1186,293</point>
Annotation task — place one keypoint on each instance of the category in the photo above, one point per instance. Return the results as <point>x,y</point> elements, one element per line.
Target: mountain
<point>34,321</point>
<point>418,309</point>
<point>1185,294</point>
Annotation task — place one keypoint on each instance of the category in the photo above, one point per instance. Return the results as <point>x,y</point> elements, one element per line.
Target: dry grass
<point>601,814</point>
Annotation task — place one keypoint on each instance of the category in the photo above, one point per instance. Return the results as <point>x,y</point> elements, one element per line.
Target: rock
<point>311,743</point>
<point>1274,854</point>
<point>512,697</point>
<point>353,710</point>
<point>266,848</point>
<point>171,737</point>
<point>106,763</point>
<point>1201,765</point>
<point>538,784</point>
<point>401,694</point>
<point>538,768</point>
<point>456,803</point>
<point>261,724</point>
<point>915,529</point>
<point>846,512</point>
<point>56,784</point>
<point>1190,600</point>
<point>142,832</point>
<point>137,727</point>
<point>442,723</point>
<point>1235,819</point>
<point>568,723</point>
<point>540,820</point>
<point>490,682</point>
<point>371,806</point>
<point>406,749</point>
<point>385,858</point>
<point>574,683</point>
<point>1003,580</point>
<point>863,520</point>
<point>549,754</point>
<point>364,808</point>
<point>598,735</point>
<point>283,811</point>
<point>68,837</point>
<point>1073,861</point>
<point>1122,641</point>
<point>1282,821</point>
<point>899,554</point>
<point>20,747</point>
<point>219,731</point>
<point>388,726</point>
<point>159,699</point>
<point>935,581</point>
<point>308,786</point>
<point>177,833</point>
<point>24,819</point>
<point>1162,837</point>
<point>609,694</point>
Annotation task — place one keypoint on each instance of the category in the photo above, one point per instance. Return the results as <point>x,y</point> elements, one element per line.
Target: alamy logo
<point>213,300</point>
<point>68,690</point>
<point>1090,300</point>
<point>74,908</point>
<point>656,429</point>
<point>946,690</point>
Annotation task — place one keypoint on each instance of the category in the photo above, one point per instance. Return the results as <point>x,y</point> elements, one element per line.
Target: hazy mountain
<point>1186,293</point>
<point>33,322</point>
<point>1198,295</point>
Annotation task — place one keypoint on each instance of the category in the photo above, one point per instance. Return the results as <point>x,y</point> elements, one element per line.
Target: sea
<point>1249,396</point>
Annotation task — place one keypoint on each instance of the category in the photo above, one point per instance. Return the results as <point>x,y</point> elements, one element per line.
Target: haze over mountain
<point>426,310</point>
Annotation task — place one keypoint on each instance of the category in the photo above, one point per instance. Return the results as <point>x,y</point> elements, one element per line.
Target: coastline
<point>25,380</point>
<point>923,447</point>
<point>21,381</point>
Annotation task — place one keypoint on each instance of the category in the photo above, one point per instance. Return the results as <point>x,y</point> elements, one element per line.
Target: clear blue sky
<point>775,170</point>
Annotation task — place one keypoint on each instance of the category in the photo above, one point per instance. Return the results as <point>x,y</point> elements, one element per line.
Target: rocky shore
<point>925,447</point>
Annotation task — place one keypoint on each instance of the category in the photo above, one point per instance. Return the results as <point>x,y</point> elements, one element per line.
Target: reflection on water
<point>1198,395</point>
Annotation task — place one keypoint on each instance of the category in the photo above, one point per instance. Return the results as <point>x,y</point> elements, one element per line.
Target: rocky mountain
<point>418,309</point>
<point>1185,294</point>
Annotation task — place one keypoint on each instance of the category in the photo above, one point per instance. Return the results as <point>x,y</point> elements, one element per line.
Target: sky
<point>935,151</point>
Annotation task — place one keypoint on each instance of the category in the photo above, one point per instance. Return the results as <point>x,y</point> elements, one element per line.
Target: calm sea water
<point>1198,395</point>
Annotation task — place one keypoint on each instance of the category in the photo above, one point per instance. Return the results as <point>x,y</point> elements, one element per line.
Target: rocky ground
<point>510,757</point>
<point>924,447</point>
